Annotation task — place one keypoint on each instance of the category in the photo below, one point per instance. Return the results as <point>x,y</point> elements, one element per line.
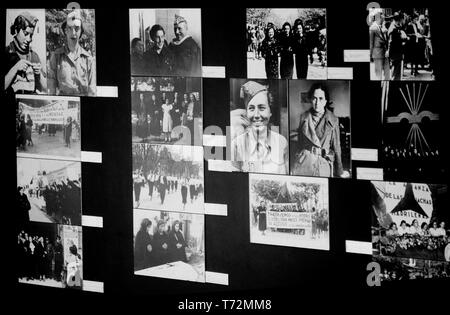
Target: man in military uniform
<point>397,39</point>
<point>23,71</point>
<point>71,70</point>
<point>186,52</point>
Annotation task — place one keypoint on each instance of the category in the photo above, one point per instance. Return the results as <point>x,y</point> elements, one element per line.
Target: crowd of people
<point>182,56</point>
<point>161,185</point>
<point>61,198</point>
<point>157,115</point>
<point>414,228</point>
<point>280,46</point>
<point>163,244</point>
<point>39,258</point>
<point>398,41</point>
<point>410,153</point>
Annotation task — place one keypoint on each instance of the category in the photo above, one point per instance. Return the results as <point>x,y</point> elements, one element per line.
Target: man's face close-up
<point>73,31</point>
<point>180,30</point>
<point>258,111</point>
<point>25,37</point>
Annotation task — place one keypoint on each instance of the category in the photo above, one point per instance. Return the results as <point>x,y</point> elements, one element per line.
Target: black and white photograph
<point>169,245</point>
<point>48,191</point>
<point>400,44</point>
<point>168,177</point>
<point>50,255</point>
<point>289,211</point>
<point>410,220</point>
<point>286,43</point>
<point>319,122</point>
<point>25,52</point>
<point>258,125</point>
<point>71,52</point>
<point>396,269</point>
<point>167,110</point>
<point>166,42</point>
<point>412,132</point>
<point>48,126</point>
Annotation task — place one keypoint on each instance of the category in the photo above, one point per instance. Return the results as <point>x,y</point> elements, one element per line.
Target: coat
<point>325,138</point>
<point>378,41</point>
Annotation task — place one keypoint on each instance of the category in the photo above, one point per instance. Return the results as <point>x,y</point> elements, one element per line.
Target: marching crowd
<point>299,41</point>
<point>160,184</point>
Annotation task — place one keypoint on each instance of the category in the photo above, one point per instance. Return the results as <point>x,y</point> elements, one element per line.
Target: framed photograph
<point>289,211</point>
<point>48,126</point>
<point>167,110</point>
<point>319,122</point>
<point>258,119</point>
<point>287,44</point>
<point>50,255</point>
<point>400,44</point>
<point>166,42</point>
<point>169,245</point>
<point>48,191</point>
<point>168,177</point>
<point>411,220</point>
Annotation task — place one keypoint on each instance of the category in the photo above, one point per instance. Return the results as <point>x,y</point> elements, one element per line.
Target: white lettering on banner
<point>53,113</point>
<point>283,219</point>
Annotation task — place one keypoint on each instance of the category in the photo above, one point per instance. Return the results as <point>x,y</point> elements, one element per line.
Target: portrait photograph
<point>48,126</point>
<point>25,52</point>
<point>319,122</point>
<point>166,42</point>
<point>167,110</point>
<point>258,125</point>
<point>412,141</point>
<point>287,44</point>
<point>289,211</point>
<point>168,177</point>
<point>50,255</point>
<point>48,191</point>
<point>410,220</point>
<point>71,52</point>
<point>169,245</point>
<point>400,44</point>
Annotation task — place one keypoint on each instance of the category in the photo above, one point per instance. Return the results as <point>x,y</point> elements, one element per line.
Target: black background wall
<point>255,271</point>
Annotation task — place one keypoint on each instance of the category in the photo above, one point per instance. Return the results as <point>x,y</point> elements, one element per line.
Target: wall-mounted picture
<point>258,119</point>
<point>410,220</point>
<point>48,126</point>
<point>71,51</point>
<point>169,245</point>
<point>319,135</point>
<point>168,177</point>
<point>25,52</point>
<point>287,44</point>
<point>48,191</point>
<point>400,44</point>
<point>167,110</point>
<point>166,42</point>
<point>50,255</point>
<point>412,132</point>
<point>289,211</point>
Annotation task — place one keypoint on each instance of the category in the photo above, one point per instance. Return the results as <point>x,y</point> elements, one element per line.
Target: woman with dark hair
<point>177,244</point>
<point>161,244</point>
<point>137,56</point>
<point>68,131</point>
<point>286,53</point>
<point>403,228</point>
<point>300,50</point>
<point>158,58</point>
<point>269,51</point>
<point>23,208</point>
<point>392,231</point>
<point>192,111</point>
<point>29,126</point>
<point>424,229</point>
<point>319,148</point>
<point>143,246</point>
<point>184,191</point>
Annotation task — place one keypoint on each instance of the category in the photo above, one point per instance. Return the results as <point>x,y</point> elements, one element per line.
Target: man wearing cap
<point>71,69</point>
<point>24,73</point>
<point>379,46</point>
<point>259,148</point>
<point>186,52</point>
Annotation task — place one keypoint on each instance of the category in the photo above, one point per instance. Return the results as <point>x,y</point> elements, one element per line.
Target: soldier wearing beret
<point>24,73</point>
<point>71,70</point>
<point>259,148</point>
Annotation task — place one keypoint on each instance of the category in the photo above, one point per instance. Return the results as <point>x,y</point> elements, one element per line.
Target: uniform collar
<point>79,52</point>
<point>181,41</point>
